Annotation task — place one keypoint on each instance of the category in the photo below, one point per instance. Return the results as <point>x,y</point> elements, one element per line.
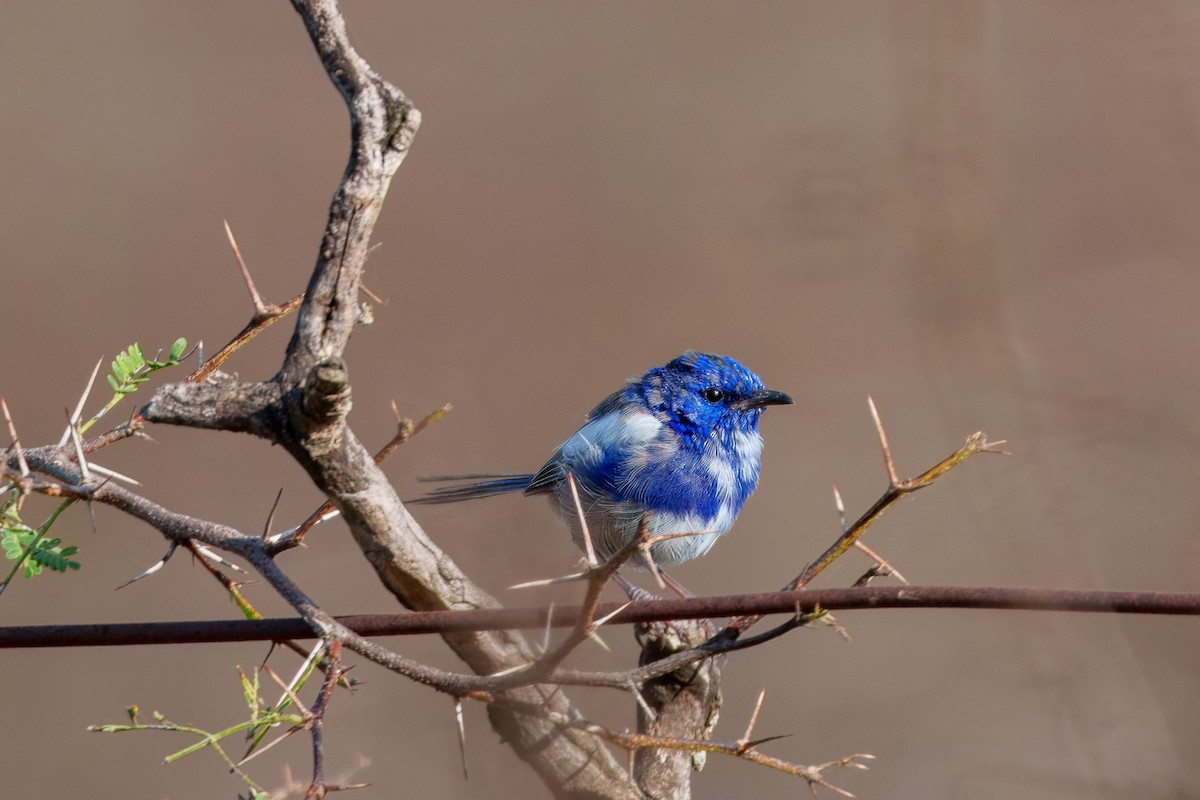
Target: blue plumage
<point>681,442</point>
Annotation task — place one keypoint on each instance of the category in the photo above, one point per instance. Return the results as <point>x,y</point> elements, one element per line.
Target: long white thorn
<point>78,413</point>
<point>583,526</point>
<point>575,576</point>
<point>462,733</point>
<point>146,573</point>
<point>112,473</point>
<point>83,465</point>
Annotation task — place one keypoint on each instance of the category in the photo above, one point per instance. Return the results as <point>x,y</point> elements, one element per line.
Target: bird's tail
<point>492,485</point>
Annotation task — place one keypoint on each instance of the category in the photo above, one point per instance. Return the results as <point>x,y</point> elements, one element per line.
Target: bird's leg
<point>631,591</point>
<point>675,586</point>
<point>638,593</point>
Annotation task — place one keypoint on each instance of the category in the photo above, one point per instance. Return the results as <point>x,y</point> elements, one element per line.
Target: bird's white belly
<point>611,528</point>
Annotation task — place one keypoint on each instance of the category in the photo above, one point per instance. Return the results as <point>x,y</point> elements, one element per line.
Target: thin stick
<point>887,452</point>
<point>754,716</point>
<point>271,514</point>
<point>407,430</point>
<point>883,562</point>
<point>85,476</point>
<point>583,526</point>
<point>16,441</point>
<point>73,420</point>
<point>261,308</point>
<point>897,489</point>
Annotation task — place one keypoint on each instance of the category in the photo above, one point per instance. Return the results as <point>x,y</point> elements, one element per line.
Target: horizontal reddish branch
<point>129,633</point>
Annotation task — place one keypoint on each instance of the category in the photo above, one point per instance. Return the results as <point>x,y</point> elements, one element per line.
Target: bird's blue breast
<point>627,455</point>
<point>678,484</point>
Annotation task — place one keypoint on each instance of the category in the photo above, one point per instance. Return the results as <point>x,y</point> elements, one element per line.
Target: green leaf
<point>23,542</point>
<point>129,370</point>
<point>249,689</point>
<point>50,554</point>
<point>10,540</point>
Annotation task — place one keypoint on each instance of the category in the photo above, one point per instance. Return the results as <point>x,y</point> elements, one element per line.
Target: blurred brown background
<point>984,214</point>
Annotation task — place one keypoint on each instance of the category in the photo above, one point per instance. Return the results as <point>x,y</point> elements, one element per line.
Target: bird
<point>679,445</point>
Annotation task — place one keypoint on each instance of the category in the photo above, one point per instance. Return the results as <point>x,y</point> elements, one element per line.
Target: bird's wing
<point>600,453</point>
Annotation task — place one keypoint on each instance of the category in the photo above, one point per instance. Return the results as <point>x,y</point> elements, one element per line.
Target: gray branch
<point>218,405</point>
<point>304,410</point>
<point>684,703</point>
<point>383,122</point>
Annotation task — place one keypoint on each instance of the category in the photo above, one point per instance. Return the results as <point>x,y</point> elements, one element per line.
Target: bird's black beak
<point>767,397</point>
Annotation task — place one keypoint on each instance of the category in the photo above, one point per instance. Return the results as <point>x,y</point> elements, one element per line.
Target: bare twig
<point>16,440</point>
<point>588,550</point>
<point>304,410</point>
<point>886,567</point>
<point>289,689</point>
<point>112,473</point>
<point>231,586</point>
<point>261,308</point>
<point>271,514</point>
<point>754,716</point>
<point>813,775</point>
<point>893,480</point>
<point>897,489</point>
<point>406,429</point>
<point>73,421</point>
<point>253,328</point>
<point>742,749</point>
<point>586,622</point>
<point>79,457</point>
<point>316,720</point>
<point>880,561</point>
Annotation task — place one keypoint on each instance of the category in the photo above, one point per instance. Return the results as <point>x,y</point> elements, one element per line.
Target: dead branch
<point>304,409</point>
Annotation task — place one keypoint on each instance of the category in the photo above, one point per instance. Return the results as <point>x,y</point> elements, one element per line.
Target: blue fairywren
<point>680,444</point>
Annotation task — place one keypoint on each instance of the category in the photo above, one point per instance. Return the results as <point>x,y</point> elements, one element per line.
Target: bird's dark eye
<point>713,395</point>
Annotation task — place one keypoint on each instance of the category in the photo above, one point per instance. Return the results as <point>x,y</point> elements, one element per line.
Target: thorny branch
<point>57,463</point>
<point>304,409</point>
<point>744,748</point>
<point>315,720</point>
<point>60,463</point>
<point>406,429</point>
<point>897,490</point>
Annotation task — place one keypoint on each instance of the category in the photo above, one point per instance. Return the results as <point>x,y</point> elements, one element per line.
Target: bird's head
<point>705,397</point>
